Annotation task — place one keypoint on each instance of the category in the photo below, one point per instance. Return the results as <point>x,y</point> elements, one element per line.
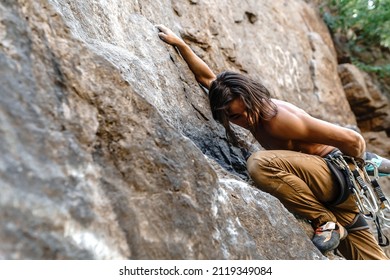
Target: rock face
<point>109,149</point>
<point>367,102</point>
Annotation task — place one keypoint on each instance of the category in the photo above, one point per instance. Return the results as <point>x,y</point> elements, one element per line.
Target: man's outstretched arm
<point>202,72</point>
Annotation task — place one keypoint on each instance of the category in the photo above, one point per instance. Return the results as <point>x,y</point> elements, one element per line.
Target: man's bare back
<point>294,129</point>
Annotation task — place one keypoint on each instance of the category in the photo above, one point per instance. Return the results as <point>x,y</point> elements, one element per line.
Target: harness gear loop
<point>367,193</point>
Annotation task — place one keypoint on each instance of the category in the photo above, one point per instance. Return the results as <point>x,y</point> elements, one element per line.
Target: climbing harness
<point>354,180</point>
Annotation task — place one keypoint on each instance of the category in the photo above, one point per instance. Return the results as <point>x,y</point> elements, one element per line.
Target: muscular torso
<point>270,142</point>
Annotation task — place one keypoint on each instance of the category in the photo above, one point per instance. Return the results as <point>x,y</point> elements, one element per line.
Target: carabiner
<point>384,213</point>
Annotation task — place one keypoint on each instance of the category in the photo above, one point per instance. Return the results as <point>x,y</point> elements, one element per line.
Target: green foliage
<point>381,70</point>
<point>365,23</point>
<point>369,20</point>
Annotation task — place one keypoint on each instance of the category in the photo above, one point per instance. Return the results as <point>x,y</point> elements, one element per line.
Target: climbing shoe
<point>327,237</point>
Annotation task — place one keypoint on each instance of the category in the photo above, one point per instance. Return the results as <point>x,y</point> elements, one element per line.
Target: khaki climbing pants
<point>304,184</point>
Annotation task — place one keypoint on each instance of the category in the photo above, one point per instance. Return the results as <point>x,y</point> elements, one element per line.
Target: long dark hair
<point>256,97</point>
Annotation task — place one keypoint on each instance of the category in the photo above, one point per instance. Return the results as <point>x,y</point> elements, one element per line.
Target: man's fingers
<point>165,34</point>
<point>162,28</point>
<point>162,35</point>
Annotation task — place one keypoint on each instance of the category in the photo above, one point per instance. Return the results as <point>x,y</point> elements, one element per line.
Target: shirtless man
<point>292,168</point>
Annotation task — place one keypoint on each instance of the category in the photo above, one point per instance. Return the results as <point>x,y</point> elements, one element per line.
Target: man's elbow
<point>359,146</point>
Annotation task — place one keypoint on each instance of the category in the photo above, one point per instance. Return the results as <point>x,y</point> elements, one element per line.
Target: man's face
<point>238,114</point>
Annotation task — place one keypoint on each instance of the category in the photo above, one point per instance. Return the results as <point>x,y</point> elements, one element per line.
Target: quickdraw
<point>368,195</point>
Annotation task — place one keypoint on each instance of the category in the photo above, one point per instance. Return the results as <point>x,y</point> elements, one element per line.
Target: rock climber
<point>292,166</point>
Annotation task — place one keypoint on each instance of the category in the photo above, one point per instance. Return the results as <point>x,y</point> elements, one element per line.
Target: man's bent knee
<point>257,165</point>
